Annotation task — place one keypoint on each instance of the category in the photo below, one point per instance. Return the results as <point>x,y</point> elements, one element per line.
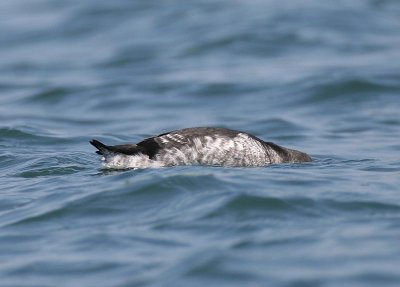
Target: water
<point>319,76</point>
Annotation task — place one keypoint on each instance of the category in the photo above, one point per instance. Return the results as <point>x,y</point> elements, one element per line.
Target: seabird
<point>198,146</point>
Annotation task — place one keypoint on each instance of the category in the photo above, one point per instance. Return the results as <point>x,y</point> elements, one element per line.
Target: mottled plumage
<point>198,146</point>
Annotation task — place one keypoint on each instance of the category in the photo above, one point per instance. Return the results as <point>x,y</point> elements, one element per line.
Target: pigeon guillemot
<point>198,146</point>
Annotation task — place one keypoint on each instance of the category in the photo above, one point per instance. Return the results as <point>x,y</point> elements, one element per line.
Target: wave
<point>246,207</point>
<point>13,133</point>
<point>148,195</point>
<point>348,89</point>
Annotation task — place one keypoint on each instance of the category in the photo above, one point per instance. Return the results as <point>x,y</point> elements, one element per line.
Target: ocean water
<point>319,76</point>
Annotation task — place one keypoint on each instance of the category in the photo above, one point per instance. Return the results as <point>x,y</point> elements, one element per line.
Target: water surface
<point>319,77</point>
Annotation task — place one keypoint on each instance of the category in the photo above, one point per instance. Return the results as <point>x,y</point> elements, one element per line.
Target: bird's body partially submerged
<point>198,146</point>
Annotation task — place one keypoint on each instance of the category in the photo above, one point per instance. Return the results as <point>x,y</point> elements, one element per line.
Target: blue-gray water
<point>319,76</point>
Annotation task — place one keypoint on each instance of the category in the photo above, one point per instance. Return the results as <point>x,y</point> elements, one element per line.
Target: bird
<point>208,146</point>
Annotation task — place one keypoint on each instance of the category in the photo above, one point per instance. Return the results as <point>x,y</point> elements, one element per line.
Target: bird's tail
<point>102,148</point>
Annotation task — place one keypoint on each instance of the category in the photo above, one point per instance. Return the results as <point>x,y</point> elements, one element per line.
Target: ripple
<point>224,89</point>
<point>51,95</point>
<point>133,196</point>
<point>211,264</point>
<point>348,90</point>
<point>279,128</point>
<point>52,171</point>
<point>354,206</point>
<point>57,164</point>
<point>247,206</point>
<point>27,134</point>
<point>11,133</point>
<point>394,167</point>
<point>7,159</point>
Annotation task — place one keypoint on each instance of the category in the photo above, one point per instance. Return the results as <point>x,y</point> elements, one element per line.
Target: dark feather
<point>150,147</point>
<point>128,149</point>
<point>99,145</point>
<point>279,150</point>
